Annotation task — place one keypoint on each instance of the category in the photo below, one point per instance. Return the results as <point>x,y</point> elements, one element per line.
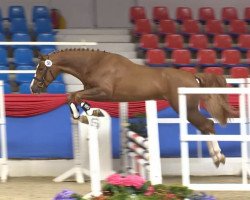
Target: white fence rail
<point>4,170</point>
<point>244,136</point>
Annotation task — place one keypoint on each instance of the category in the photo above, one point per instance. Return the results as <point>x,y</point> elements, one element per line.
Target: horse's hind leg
<point>206,126</point>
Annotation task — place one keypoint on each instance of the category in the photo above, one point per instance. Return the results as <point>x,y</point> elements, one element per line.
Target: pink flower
<point>115,179</point>
<point>133,180</point>
<point>150,191</point>
<point>170,196</point>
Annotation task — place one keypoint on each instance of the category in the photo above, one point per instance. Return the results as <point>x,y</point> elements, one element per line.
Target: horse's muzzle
<point>35,90</point>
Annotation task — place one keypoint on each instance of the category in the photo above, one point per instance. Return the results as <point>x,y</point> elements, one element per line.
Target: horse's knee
<point>70,98</point>
<point>207,127</point>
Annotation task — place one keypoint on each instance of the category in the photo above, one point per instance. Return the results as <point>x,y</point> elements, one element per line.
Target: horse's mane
<point>75,50</point>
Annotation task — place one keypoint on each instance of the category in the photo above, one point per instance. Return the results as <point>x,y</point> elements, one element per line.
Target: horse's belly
<point>138,92</point>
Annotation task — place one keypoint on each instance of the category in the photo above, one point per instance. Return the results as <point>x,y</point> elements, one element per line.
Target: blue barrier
<point>49,136</point>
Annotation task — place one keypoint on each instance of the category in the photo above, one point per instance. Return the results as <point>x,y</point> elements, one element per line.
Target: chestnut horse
<point>112,77</point>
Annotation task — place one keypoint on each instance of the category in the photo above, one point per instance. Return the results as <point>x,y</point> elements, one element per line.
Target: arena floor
<point>43,188</point>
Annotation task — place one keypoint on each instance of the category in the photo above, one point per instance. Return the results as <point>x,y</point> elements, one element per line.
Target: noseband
<point>42,81</point>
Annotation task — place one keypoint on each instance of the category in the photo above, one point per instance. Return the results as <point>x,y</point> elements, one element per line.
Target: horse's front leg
<point>76,98</point>
<point>73,104</point>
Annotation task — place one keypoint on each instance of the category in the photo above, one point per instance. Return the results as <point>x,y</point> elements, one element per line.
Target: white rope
<point>50,43</point>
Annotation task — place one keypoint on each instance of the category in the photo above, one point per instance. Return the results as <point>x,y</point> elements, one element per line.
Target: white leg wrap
<point>215,151</point>
<point>88,112</point>
<point>75,112</point>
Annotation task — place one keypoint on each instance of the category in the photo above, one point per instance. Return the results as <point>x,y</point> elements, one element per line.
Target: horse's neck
<point>72,63</point>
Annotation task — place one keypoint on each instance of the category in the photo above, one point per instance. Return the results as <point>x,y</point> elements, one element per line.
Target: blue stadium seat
<point>23,56</point>
<point>21,37</point>
<point>24,88</point>
<point>22,78</point>
<point>4,77</point>
<point>3,57</point>
<point>40,12</point>
<point>2,39</point>
<point>46,37</point>
<point>7,88</point>
<point>1,22</point>
<point>56,88</point>
<point>43,25</point>
<point>59,79</point>
<point>16,12</point>
<point>47,50</point>
<point>18,25</point>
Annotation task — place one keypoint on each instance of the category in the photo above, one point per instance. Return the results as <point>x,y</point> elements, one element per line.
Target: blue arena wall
<point>43,136</point>
<point>49,136</point>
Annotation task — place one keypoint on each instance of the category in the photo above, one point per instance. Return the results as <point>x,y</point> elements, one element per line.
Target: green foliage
<point>180,191</point>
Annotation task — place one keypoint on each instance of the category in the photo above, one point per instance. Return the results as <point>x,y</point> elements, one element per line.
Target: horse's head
<point>44,74</point>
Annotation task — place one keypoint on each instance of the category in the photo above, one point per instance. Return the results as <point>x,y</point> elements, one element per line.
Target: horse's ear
<point>42,57</point>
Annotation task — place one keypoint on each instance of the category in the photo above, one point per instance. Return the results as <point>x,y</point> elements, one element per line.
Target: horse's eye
<point>40,69</point>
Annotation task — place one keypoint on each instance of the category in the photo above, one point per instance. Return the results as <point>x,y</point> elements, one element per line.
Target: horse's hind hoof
<point>217,163</point>
<point>84,119</point>
<point>223,159</point>
<point>97,113</point>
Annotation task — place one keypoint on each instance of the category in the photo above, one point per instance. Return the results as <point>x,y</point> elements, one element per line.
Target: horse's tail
<point>216,104</point>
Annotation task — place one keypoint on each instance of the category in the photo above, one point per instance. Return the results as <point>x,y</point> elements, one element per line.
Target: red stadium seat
<point>160,13</point>
<point>156,58</point>
<point>142,26</point>
<point>248,57</point>
<point>228,14</point>
<point>190,27</point>
<point>137,12</point>
<point>214,27</point>
<point>182,58</point>
<point>197,42</point>
<point>239,72</point>
<point>247,14</point>
<point>189,69</point>
<point>222,42</point>
<point>166,27</point>
<point>207,58</point>
<point>173,41</point>
<point>243,44</point>
<point>148,41</point>
<point>206,14</point>
<point>214,70</point>
<point>237,27</point>
<point>230,58</point>
<point>183,13</point>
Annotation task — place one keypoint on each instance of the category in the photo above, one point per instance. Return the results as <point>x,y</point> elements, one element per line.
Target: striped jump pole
<point>148,148</point>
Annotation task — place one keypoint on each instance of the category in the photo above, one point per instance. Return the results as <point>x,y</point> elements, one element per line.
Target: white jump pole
<point>153,143</point>
<point>123,114</point>
<point>94,159</point>
<point>4,154</point>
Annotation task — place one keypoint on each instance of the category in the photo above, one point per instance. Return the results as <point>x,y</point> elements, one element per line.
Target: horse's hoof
<point>217,163</point>
<point>97,113</point>
<point>223,159</point>
<point>83,119</point>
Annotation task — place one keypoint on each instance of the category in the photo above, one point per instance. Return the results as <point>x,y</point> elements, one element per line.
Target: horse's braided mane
<point>75,49</point>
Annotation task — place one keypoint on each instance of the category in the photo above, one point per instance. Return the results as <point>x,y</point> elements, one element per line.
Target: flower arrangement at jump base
<point>133,187</point>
